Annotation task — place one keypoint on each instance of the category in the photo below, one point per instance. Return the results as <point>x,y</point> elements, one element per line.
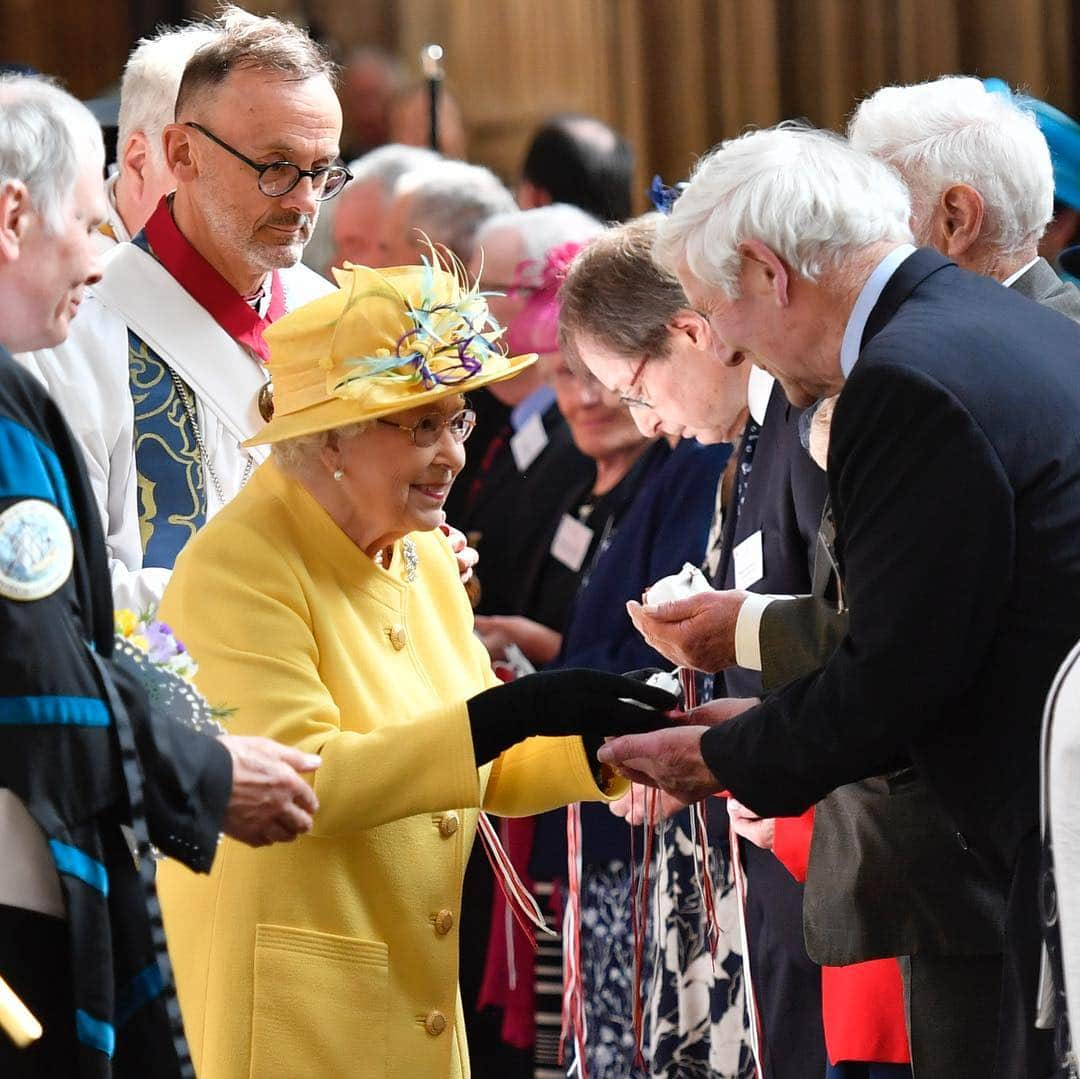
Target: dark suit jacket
<point>954,472</point>
<point>886,874</point>
<point>798,634</point>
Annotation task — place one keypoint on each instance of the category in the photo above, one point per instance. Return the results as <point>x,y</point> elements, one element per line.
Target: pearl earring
<point>339,474</point>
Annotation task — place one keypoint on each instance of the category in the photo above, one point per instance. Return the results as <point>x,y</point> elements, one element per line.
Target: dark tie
<point>722,533</point>
<point>746,462</point>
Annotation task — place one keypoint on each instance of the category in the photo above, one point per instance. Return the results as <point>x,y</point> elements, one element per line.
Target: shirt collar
<point>115,222</point>
<point>758,391</point>
<point>865,303</point>
<point>1014,277</point>
<point>537,402</point>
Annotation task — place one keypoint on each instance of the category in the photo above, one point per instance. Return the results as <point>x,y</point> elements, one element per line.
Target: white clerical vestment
<point>136,315</point>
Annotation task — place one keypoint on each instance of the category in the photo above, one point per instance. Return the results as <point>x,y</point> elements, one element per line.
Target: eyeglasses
<point>626,398</point>
<point>426,431</point>
<point>279,177</point>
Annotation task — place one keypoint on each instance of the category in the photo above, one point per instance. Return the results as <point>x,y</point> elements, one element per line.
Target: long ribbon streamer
<point>573,1001</point>
<point>518,898</point>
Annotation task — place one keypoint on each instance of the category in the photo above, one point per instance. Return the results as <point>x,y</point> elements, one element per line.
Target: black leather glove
<point>594,704</point>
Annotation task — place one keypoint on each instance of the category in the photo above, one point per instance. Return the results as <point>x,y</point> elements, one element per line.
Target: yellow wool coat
<point>336,956</point>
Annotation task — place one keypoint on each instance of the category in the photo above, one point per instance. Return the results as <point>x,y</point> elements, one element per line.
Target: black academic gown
<point>81,748</point>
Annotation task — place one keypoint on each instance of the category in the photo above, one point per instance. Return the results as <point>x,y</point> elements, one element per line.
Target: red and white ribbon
<point>519,899</point>
<point>573,1000</point>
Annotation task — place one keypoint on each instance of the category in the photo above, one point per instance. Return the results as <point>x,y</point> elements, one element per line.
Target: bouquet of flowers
<point>164,668</point>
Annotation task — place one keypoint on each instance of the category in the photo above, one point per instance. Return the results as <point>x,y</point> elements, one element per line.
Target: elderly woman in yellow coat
<point>324,608</point>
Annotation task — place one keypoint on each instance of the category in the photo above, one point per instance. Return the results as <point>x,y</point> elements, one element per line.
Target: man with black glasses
<point>163,376</point>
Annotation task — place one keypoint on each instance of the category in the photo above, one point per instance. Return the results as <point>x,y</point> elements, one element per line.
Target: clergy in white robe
<point>162,374</point>
<point>160,397</point>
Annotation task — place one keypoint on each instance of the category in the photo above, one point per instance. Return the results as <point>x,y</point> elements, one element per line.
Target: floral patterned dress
<point>697,1027</point>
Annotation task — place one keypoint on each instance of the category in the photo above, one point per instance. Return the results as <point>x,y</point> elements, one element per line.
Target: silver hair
<point>806,194</point>
<point>387,164</point>
<point>955,131</point>
<point>151,81</point>
<point>451,200</point>
<point>542,229</point>
<point>46,139</point>
<point>296,454</point>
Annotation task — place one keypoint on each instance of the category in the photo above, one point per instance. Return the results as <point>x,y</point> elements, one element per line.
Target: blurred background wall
<point>674,76</point>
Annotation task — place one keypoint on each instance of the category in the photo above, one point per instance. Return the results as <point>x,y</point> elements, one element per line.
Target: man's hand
<point>269,803</point>
<point>539,643</point>
<point>669,759</point>
<point>698,631</point>
<point>467,556</point>
<point>760,831</point>
<point>631,806</point>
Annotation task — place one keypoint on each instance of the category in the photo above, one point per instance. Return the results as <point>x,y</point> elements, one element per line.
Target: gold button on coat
<point>398,636</point>
<point>448,825</point>
<point>435,1023</point>
<point>444,922</point>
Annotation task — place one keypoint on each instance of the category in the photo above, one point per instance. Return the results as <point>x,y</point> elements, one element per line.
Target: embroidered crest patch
<point>36,552</point>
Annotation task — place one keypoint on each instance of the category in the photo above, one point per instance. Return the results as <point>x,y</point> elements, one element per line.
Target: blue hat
<point>1069,261</point>
<point>1062,134</point>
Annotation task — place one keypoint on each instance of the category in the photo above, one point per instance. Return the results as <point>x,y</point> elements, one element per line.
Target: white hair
<point>806,194</point>
<point>542,229</point>
<point>955,131</point>
<point>46,139</point>
<point>451,200</point>
<point>303,451</point>
<point>151,79</point>
<point>387,164</point>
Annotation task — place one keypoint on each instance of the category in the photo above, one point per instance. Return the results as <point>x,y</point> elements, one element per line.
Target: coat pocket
<point>319,1006</point>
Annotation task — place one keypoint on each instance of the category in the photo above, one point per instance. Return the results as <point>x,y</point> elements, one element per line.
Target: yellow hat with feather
<point>386,341</point>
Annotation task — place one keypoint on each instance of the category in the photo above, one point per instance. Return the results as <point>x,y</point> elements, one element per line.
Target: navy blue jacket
<point>954,473</point>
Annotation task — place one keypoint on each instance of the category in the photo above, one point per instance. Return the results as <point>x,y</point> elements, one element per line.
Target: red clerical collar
<point>208,288</point>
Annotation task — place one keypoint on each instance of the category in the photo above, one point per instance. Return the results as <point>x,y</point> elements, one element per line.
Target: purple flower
<point>163,645</point>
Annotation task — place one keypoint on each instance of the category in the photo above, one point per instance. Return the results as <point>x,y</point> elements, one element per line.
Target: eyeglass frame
<point>639,402</point>
<point>313,174</point>
<point>626,398</point>
<point>444,424</point>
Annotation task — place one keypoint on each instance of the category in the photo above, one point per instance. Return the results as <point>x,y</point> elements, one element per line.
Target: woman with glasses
<point>324,607</point>
<point>642,512</point>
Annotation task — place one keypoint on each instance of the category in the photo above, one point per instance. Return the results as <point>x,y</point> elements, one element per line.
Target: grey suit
<point>1043,285</point>
<point>888,873</point>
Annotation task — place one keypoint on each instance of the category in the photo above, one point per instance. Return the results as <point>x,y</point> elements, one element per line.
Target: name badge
<point>571,543</point>
<point>749,561</point>
<point>528,443</point>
